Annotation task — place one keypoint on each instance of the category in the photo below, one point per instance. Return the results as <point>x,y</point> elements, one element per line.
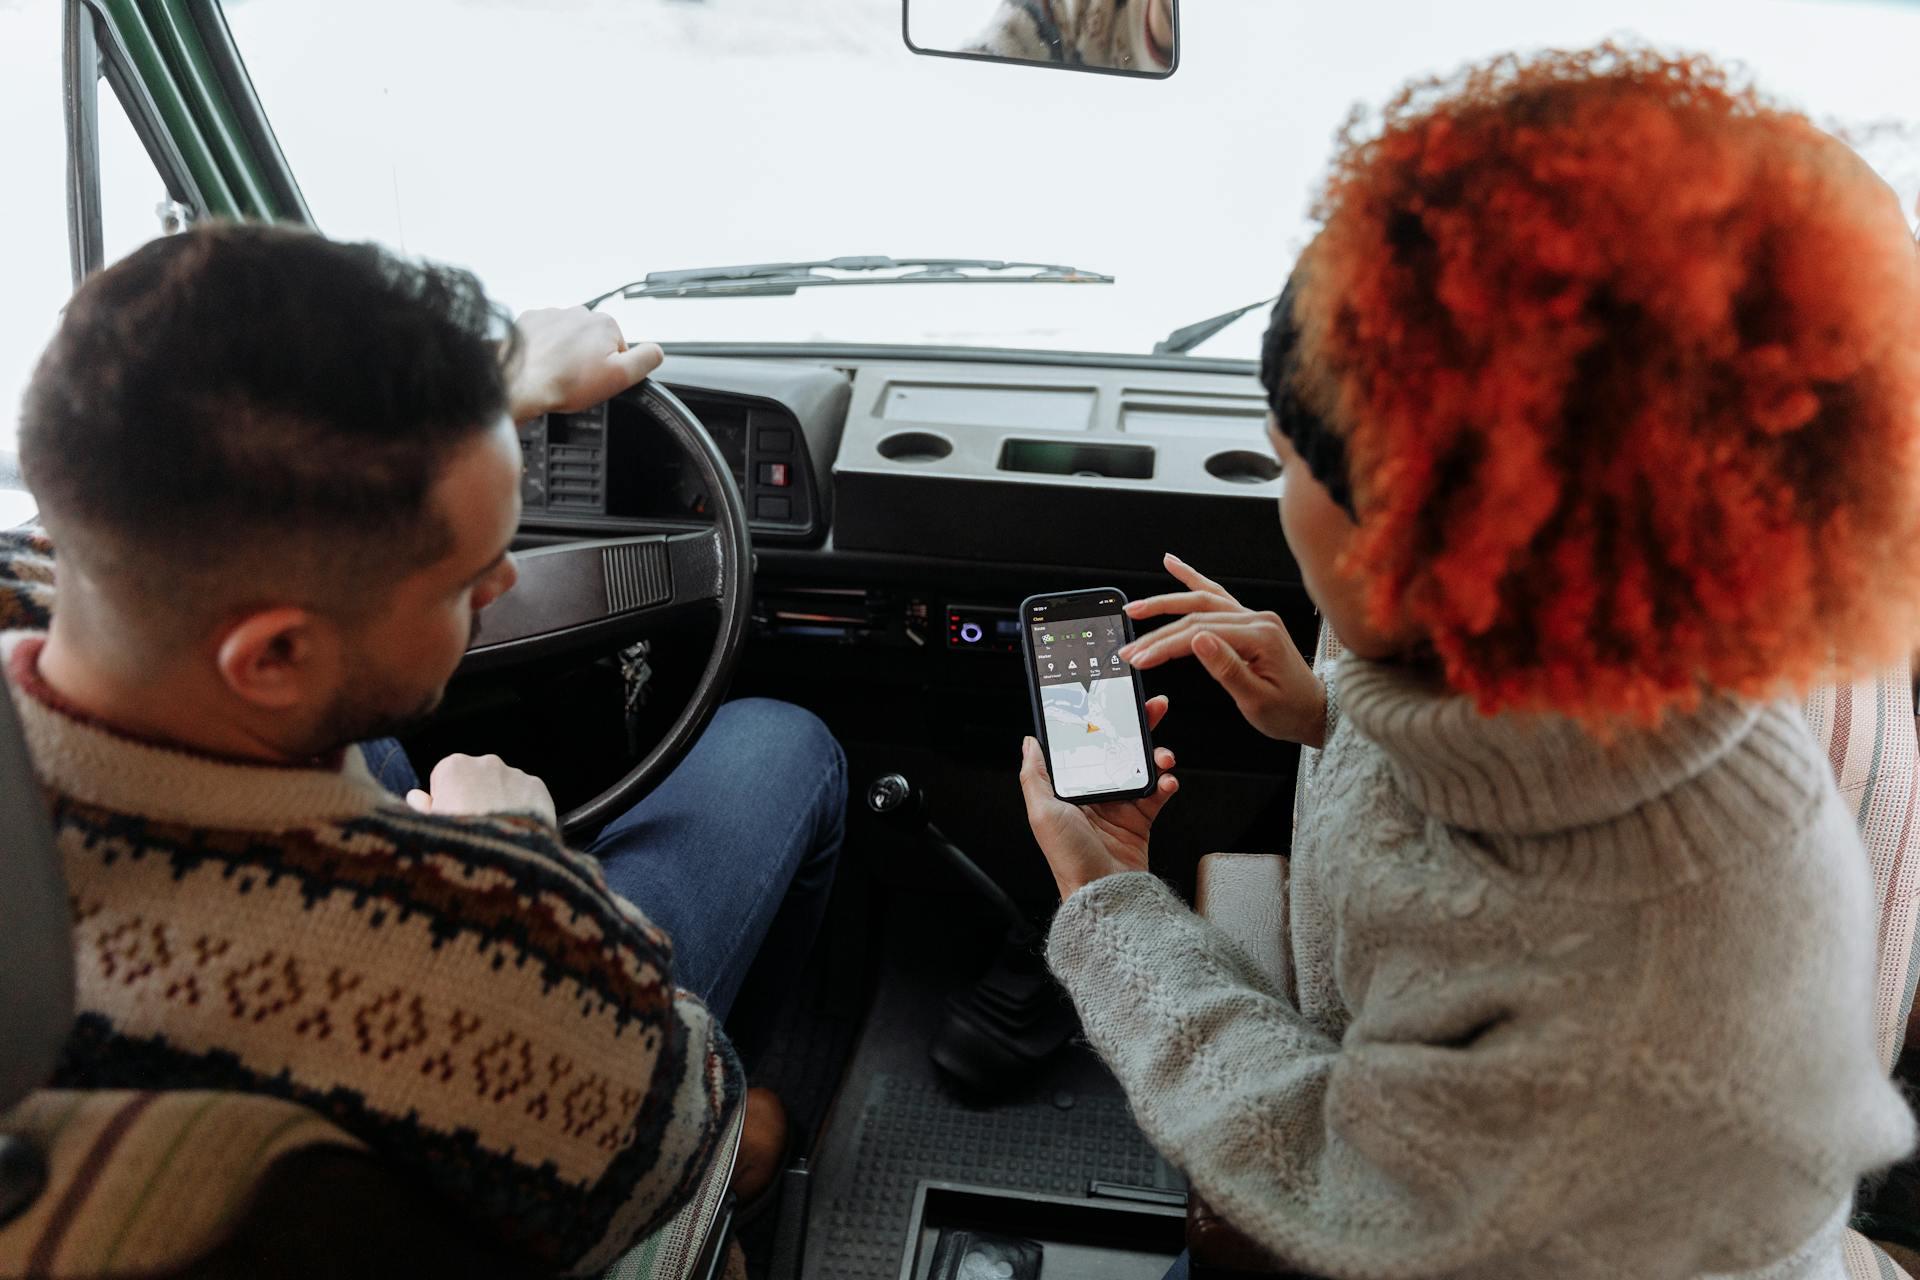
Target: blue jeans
<point>732,854</point>
<point>1179,1271</point>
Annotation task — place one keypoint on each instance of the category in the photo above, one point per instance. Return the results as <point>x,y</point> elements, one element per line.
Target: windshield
<point>564,147</point>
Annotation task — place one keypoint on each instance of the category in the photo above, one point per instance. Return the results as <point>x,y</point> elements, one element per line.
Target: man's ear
<point>278,658</point>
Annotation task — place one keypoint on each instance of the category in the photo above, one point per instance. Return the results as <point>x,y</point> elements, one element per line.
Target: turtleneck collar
<point>1523,773</point>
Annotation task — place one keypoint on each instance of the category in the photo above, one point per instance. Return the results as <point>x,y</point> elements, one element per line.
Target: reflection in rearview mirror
<point>1131,37</point>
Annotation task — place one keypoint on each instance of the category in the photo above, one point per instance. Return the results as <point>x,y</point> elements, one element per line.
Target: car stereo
<point>983,628</point>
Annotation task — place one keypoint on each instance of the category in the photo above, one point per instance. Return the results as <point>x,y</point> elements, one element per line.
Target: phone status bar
<point>1081,650</point>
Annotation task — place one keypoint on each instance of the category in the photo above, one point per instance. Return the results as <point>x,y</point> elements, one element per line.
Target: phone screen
<point>1089,705</point>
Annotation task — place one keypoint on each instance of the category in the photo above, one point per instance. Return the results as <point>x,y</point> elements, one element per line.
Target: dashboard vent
<point>637,574</point>
<point>576,461</point>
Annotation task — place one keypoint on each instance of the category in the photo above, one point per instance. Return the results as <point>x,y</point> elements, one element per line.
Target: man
<point>282,477</point>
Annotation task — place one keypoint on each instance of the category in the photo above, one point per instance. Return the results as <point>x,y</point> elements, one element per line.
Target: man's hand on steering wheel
<point>569,359</point>
<point>572,359</point>
<point>604,590</point>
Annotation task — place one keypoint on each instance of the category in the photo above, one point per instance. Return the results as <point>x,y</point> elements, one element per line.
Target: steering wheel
<point>606,592</point>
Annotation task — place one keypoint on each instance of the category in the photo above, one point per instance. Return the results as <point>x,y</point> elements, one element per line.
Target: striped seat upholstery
<point>1867,729</point>
<point>1868,732</point>
<point>672,1252</point>
<point>145,1184</point>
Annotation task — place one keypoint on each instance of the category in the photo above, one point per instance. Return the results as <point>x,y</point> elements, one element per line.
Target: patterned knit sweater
<point>1558,1009</point>
<point>465,995</point>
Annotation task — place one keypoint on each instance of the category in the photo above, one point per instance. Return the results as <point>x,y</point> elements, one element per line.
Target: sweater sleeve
<point>696,1079</point>
<point>1467,1147</point>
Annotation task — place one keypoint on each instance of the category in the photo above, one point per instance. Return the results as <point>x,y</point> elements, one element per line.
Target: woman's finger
<point>1032,758</point>
<point>1162,759</point>
<point>1156,711</point>
<point>1180,602</point>
<point>1036,788</point>
<point>1162,792</point>
<point>1248,640</point>
<point>1193,577</point>
<point>1176,639</point>
<point>1233,674</point>
<point>1179,626</point>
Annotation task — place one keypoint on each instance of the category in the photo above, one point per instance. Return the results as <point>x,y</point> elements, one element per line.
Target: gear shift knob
<point>892,796</point>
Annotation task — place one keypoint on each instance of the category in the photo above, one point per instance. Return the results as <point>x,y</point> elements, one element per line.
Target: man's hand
<point>572,359</point>
<point>488,784</point>
<point>1249,653</point>
<point>1085,842</point>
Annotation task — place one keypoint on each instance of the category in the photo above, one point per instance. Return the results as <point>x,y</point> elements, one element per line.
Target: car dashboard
<point>1013,458</point>
<point>903,501</point>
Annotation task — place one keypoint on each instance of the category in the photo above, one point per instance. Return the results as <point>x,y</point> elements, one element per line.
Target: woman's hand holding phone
<point>1085,842</point>
<point>1248,652</point>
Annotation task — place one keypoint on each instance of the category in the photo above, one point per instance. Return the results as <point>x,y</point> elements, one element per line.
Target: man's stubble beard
<point>364,713</point>
<point>369,708</point>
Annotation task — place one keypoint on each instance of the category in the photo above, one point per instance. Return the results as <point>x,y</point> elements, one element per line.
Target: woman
<point>1598,397</point>
<point>1136,36</point>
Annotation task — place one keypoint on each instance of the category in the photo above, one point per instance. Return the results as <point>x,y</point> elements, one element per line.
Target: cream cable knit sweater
<point>1561,1010</point>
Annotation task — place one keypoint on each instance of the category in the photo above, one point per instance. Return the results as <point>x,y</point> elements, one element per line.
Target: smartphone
<point>1088,705</point>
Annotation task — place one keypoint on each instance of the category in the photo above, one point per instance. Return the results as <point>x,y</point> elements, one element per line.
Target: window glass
<point>131,192</point>
<point>33,213</point>
<point>33,216</point>
<point>562,147</point>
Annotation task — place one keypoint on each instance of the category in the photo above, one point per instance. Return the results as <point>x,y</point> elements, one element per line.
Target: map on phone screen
<point>1095,741</point>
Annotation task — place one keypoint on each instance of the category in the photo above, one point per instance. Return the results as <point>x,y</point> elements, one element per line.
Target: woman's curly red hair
<point>1628,364</point>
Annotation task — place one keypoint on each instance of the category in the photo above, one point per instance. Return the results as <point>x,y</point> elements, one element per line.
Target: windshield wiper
<point>1185,339</point>
<point>776,279</point>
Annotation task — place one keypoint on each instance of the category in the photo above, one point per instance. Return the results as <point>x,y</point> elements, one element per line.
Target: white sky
<point>560,147</point>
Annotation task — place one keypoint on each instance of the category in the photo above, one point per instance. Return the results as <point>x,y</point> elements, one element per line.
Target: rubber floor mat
<point>910,1129</point>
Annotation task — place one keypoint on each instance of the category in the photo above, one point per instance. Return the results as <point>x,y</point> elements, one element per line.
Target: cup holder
<point>1243,466</point>
<point>914,446</point>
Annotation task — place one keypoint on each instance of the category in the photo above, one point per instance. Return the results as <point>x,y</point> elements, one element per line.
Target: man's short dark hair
<point>248,399</point>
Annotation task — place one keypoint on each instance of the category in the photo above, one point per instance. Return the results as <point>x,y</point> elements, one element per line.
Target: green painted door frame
<point>175,68</point>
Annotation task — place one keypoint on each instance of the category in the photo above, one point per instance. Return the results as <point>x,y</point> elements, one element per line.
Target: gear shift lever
<point>1002,1027</point>
<point>893,797</point>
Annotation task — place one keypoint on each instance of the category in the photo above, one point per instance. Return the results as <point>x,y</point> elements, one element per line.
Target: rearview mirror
<point>1121,37</point>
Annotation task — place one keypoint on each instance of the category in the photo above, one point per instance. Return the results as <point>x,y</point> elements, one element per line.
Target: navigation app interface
<point>1095,741</point>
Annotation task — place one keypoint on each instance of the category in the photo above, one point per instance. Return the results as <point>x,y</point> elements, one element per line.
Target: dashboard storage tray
<point>1036,465</point>
<point>1073,458</point>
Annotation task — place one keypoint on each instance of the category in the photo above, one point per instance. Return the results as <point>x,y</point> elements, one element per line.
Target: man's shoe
<point>763,1149</point>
